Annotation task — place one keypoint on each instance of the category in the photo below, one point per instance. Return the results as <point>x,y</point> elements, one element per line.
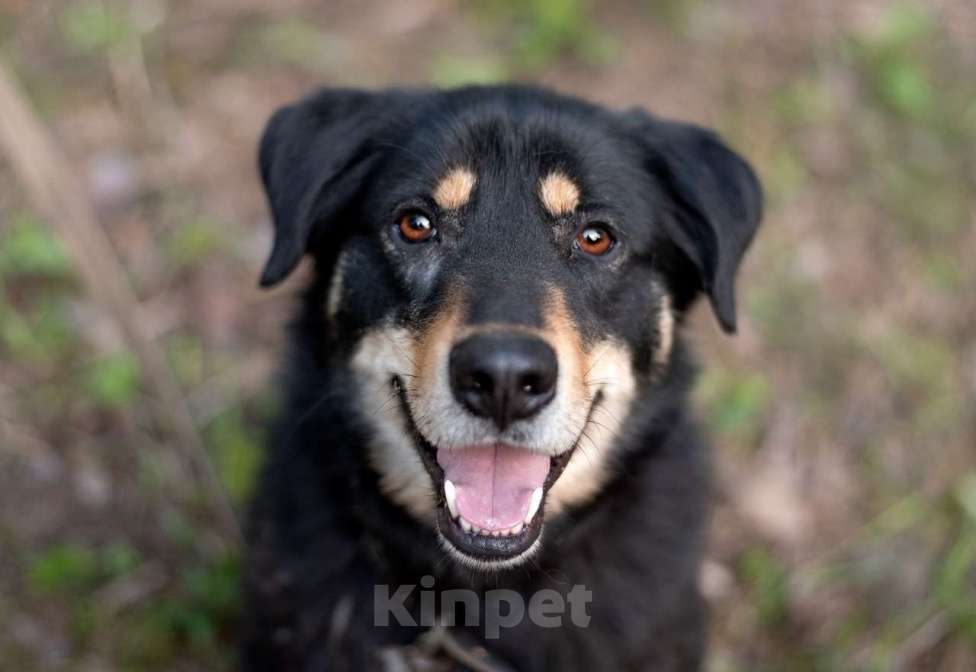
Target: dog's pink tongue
<point>494,483</point>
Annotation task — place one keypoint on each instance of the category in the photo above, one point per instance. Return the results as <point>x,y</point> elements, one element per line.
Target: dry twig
<point>58,194</point>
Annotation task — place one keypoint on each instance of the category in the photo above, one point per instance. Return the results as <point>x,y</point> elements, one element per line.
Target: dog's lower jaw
<point>477,549</point>
<point>489,566</point>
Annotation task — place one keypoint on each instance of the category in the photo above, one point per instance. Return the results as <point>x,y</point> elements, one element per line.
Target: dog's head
<point>505,270</point>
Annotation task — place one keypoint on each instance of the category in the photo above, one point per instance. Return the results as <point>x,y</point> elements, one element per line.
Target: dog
<point>486,388</point>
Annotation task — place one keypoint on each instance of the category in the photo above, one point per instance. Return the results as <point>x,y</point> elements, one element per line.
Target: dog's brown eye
<point>595,240</point>
<point>416,228</point>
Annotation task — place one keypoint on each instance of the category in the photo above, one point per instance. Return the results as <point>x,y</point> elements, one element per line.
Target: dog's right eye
<point>416,227</point>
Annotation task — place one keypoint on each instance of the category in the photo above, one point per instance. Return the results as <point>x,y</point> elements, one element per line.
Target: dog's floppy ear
<point>314,158</point>
<point>717,202</point>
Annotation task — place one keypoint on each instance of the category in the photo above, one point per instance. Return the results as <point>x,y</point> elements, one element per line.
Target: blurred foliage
<point>906,70</point>
<point>955,579</point>
<point>537,32</point>
<point>72,572</point>
<point>453,71</point>
<point>853,319</point>
<point>27,248</point>
<point>193,241</point>
<point>675,14</point>
<point>294,42</point>
<point>96,26</point>
<point>64,567</point>
<point>35,279</point>
<point>894,60</point>
<point>187,355</point>
<point>196,617</point>
<point>767,578</point>
<point>923,372</point>
<point>237,448</point>
<point>114,380</point>
<point>38,333</point>
<point>736,402</point>
<point>197,612</point>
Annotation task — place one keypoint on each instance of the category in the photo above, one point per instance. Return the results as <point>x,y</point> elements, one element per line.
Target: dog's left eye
<point>416,227</point>
<point>595,239</point>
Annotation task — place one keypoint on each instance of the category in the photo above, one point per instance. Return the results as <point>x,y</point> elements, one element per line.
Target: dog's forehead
<point>543,155</point>
<point>526,166</point>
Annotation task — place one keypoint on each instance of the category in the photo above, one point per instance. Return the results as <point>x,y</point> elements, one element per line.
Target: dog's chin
<point>498,542</point>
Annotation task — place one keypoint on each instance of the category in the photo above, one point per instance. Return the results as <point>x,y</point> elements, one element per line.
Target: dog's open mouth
<point>491,497</point>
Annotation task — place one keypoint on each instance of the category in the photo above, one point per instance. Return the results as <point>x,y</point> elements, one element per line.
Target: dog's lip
<point>480,547</point>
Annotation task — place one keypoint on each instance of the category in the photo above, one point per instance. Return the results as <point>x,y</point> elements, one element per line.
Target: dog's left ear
<point>717,202</point>
<point>315,156</point>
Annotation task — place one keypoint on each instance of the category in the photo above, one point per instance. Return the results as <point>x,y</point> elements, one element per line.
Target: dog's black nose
<point>503,377</point>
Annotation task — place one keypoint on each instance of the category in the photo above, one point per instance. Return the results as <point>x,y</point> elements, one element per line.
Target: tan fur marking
<point>434,344</point>
<point>665,331</point>
<point>435,412</point>
<point>454,189</point>
<point>381,354</point>
<point>603,367</point>
<point>609,369</point>
<point>337,286</point>
<point>559,194</point>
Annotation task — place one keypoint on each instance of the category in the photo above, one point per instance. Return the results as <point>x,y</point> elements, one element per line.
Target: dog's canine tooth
<point>475,528</point>
<point>450,496</point>
<point>516,529</point>
<point>465,525</point>
<point>533,505</point>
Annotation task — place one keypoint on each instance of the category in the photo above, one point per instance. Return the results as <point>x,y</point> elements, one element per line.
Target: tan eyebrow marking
<point>559,194</point>
<point>454,189</point>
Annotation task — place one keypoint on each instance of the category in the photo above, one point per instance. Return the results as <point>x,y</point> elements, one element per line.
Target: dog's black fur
<point>322,533</point>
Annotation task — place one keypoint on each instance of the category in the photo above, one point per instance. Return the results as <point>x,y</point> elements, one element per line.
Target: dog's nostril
<point>530,384</point>
<point>480,382</point>
<point>503,377</point>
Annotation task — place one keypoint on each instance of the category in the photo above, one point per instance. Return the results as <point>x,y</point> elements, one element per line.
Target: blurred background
<point>134,344</point>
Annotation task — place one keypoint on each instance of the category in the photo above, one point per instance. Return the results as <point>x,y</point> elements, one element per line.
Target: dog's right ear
<point>314,158</point>
<point>716,201</point>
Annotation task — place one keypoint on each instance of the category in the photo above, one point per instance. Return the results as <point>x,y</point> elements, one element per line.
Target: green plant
<point>92,26</point>
<point>237,452</point>
<point>195,615</point>
<point>64,567</point>
<point>449,70</point>
<point>193,241</point>
<point>542,30</point>
<point>737,402</point>
<point>894,60</point>
<point>70,567</point>
<point>767,578</point>
<point>27,248</point>
<point>113,381</point>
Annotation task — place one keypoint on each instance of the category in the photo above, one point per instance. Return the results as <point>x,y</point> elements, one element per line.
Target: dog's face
<point>505,271</point>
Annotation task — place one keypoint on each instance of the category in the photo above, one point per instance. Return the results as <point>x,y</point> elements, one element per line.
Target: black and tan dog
<point>487,387</point>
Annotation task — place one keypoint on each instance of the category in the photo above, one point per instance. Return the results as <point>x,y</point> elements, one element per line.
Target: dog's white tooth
<point>450,495</point>
<point>516,529</point>
<point>496,533</point>
<point>465,525</point>
<point>533,505</point>
<point>475,529</point>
